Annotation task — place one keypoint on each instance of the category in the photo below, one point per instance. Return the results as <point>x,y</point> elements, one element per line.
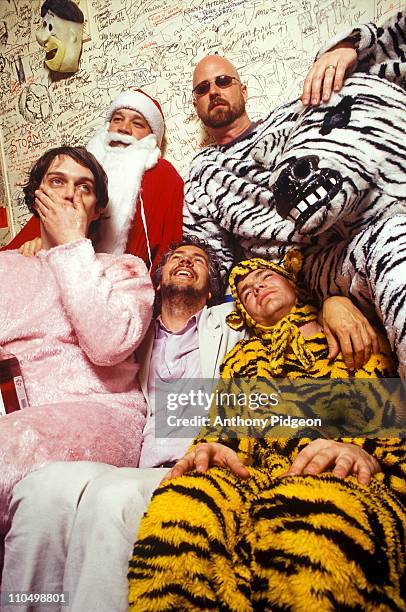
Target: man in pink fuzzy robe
<point>73,319</point>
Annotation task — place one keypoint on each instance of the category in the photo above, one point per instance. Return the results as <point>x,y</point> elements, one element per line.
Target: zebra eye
<point>338,116</point>
<point>302,169</point>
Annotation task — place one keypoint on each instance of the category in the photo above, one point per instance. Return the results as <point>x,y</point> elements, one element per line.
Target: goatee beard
<point>223,115</point>
<point>185,296</point>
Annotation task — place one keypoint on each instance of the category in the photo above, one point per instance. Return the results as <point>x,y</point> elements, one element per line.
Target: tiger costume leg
<point>190,530</point>
<point>215,542</point>
<point>187,556</point>
<point>324,544</point>
<point>371,269</point>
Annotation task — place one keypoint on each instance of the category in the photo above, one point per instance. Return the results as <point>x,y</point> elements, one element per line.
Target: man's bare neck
<point>310,329</point>
<point>175,315</point>
<point>227,134</point>
<point>45,240</point>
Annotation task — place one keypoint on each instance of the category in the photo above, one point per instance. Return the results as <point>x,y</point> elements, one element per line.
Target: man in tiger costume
<point>328,179</point>
<point>270,527</point>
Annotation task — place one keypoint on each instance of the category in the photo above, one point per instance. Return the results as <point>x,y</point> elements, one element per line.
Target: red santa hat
<point>138,100</point>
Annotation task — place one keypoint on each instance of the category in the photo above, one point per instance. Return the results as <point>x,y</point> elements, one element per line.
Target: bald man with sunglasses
<point>219,98</point>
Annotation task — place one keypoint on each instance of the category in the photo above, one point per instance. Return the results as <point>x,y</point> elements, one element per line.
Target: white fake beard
<point>124,167</point>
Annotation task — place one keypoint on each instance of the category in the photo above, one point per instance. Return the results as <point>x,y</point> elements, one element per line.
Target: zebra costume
<point>330,180</point>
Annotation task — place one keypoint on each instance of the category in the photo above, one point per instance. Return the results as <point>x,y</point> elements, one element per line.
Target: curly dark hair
<point>216,284</point>
<point>79,155</point>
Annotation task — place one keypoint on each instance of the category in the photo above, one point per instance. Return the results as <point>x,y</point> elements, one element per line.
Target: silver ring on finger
<point>331,67</point>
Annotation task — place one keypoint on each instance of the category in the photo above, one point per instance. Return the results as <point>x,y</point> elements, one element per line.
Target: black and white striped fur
<point>353,237</point>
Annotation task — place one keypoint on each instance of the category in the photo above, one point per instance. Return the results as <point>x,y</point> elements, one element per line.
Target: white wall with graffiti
<point>153,44</point>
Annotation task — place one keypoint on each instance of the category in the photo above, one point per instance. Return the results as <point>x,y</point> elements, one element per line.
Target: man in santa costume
<point>144,214</point>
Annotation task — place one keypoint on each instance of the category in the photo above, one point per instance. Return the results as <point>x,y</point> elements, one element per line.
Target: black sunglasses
<point>222,80</point>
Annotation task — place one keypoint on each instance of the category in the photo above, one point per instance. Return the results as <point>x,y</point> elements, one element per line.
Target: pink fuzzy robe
<point>73,319</point>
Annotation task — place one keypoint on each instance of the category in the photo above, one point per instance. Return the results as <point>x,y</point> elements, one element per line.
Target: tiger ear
<point>235,320</point>
<point>293,262</point>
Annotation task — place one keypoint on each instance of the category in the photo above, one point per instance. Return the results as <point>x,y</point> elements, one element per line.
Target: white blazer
<point>216,339</point>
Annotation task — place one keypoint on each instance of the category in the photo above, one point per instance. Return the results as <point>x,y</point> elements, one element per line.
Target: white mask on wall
<point>62,41</point>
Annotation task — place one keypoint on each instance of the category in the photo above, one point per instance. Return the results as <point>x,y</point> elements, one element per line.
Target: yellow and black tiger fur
<point>211,541</point>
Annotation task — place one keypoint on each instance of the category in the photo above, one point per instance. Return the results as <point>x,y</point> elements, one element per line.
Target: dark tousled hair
<point>65,9</point>
<point>216,285</point>
<point>82,157</point>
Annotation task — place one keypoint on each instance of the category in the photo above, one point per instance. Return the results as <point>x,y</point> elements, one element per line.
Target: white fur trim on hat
<point>144,104</point>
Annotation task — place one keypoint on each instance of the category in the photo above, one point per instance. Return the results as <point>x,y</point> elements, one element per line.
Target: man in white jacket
<point>74,524</point>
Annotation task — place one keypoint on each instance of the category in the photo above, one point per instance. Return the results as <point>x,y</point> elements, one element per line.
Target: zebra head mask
<point>344,161</point>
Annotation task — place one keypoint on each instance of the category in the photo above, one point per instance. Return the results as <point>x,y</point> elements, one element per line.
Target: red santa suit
<point>162,194</point>
<point>146,192</point>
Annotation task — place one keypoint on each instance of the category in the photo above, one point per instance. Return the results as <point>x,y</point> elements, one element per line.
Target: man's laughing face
<point>187,272</point>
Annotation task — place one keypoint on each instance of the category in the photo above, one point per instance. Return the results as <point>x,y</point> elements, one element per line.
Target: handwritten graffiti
<point>34,103</point>
<point>154,45</point>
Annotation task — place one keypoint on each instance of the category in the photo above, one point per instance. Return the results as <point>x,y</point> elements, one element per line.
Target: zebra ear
<point>337,116</point>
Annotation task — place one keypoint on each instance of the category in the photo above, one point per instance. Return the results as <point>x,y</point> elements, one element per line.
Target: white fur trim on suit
<point>125,168</point>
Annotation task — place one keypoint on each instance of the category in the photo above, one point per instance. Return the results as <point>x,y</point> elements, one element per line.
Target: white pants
<point>73,529</point>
